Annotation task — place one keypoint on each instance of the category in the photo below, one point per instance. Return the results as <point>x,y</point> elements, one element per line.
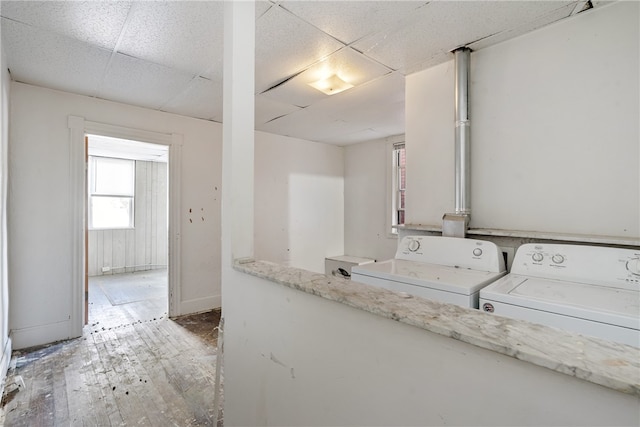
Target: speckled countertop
<point>609,364</point>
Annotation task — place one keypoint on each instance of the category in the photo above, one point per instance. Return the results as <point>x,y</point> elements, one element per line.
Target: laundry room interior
<point>465,155</point>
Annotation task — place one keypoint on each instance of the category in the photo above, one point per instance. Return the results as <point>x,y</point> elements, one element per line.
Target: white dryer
<point>590,290</point>
<point>446,269</point>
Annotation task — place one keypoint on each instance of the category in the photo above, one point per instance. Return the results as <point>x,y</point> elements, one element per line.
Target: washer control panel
<point>452,251</point>
<point>613,267</point>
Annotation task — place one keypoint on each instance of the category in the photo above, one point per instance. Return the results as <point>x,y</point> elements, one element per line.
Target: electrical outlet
<point>106,269</point>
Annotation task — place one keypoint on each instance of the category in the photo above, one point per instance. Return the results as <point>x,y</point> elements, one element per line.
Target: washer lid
<point>620,307</point>
<point>449,279</point>
<point>350,259</point>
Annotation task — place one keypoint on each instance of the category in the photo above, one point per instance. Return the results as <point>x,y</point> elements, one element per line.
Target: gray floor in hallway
<point>132,364</point>
<point>119,299</point>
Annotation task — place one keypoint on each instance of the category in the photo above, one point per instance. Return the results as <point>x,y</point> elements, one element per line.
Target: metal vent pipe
<point>463,132</point>
<point>456,224</point>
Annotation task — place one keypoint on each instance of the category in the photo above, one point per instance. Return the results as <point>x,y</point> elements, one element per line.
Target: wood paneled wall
<point>145,246</point>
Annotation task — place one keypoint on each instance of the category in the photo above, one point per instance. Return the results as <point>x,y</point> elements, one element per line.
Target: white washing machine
<point>445,269</point>
<point>590,290</point>
<point>341,265</point>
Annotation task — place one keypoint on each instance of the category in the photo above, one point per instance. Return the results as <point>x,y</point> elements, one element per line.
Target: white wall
<point>5,341</point>
<point>292,358</point>
<point>554,130</point>
<point>304,178</point>
<point>367,228</point>
<point>39,206</point>
<point>299,201</point>
<point>141,248</point>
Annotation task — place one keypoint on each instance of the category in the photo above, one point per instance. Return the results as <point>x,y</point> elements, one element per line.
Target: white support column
<point>238,133</point>
<point>77,171</point>
<point>175,233</point>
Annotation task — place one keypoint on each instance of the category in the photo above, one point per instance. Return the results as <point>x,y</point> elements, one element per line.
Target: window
<point>111,192</point>
<point>398,182</point>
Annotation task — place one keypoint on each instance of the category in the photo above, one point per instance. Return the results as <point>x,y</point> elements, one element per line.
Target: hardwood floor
<point>132,366</point>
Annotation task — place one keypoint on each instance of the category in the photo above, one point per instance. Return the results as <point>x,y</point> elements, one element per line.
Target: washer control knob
<point>537,257</point>
<point>414,245</point>
<point>557,258</point>
<point>477,251</point>
<point>633,265</point>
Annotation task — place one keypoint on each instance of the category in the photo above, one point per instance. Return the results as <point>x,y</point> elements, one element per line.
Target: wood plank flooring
<point>129,368</point>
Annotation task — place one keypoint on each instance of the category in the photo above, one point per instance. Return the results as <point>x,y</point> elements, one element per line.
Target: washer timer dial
<point>414,245</point>
<point>537,257</point>
<point>633,265</point>
<point>557,258</point>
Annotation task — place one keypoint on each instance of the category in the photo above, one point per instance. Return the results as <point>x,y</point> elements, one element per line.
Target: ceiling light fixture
<point>331,85</point>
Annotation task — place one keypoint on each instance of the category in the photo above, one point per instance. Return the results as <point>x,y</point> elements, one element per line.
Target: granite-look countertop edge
<point>613,365</point>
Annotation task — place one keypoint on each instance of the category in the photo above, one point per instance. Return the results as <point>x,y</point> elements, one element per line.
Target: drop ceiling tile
<point>376,106</point>
<point>262,6</point>
<point>42,58</point>
<point>137,82</point>
<point>433,60</point>
<point>286,45</point>
<point>202,99</point>
<point>186,35</point>
<point>355,137</point>
<point>94,22</point>
<point>548,18</point>
<point>355,102</point>
<point>377,116</point>
<point>440,27</point>
<point>349,65</point>
<point>349,21</point>
<point>391,121</point>
<point>269,109</point>
<point>306,125</point>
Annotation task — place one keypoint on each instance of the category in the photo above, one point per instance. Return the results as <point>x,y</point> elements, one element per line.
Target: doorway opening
<point>126,232</point>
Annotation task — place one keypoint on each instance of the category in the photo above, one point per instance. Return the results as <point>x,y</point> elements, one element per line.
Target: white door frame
<point>78,127</point>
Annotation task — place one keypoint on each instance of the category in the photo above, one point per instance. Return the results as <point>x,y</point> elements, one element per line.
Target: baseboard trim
<point>40,335</point>
<point>200,304</point>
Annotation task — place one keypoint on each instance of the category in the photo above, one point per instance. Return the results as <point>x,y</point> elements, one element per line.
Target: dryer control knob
<point>537,257</point>
<point>633,265</point>
<point>477,251</point>
<point>414,245</point>
<point>557,258</point>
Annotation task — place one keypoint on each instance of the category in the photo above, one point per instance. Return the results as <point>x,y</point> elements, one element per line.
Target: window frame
<point>92,193</point>
<point>393,180</point>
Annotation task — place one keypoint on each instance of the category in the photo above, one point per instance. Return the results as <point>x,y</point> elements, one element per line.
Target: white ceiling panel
<point>262,6</point>
<point>388,119</point>
<point>355,137</point>
<point>441,26</point>
<point>184,35</point>
<point>167,55</point>
<point>41,58</point>
<point>202,99</point>
<point>349,65</point>
<point>268,109</point>
<point>286,45</point>
<point>546,19</point>
<point>385,90</point>
<point>306,125</point>
<point>349,21</point>
<point>96,22</point>
<point>133,81</point>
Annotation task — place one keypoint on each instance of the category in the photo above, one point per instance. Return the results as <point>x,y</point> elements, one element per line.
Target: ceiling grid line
<point>116,47</point>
